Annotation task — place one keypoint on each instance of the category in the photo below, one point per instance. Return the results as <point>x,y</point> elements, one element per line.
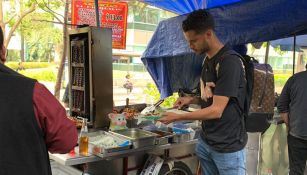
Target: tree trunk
<point>16,24</point>
<point>2,25</point>
<point>62,62</point>
<point>22,50</point>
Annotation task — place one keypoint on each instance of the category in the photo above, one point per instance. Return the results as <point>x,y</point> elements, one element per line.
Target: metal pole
<point>294,44</point>
<point>97,13</point>
<point>267,50</point>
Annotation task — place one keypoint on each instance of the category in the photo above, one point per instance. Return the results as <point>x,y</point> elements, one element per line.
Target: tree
<point>62,19</point>
<point>14,19</point>
<point>137,8</point>
<point>64,53</point>
<point>40,36</point>
<point>22,8</point>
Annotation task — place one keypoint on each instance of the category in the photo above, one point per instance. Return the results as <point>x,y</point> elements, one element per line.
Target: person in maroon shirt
<point>60,133</point>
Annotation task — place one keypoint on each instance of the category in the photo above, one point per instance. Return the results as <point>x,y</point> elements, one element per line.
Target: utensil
<point>151,108</point>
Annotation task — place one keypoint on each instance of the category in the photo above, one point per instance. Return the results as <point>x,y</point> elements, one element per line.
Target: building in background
<point>143,20</point>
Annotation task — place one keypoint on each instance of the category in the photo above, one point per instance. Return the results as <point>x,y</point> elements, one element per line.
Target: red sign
<point>112,15</point>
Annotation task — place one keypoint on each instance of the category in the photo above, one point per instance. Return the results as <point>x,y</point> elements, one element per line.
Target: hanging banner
<point>112,15</point>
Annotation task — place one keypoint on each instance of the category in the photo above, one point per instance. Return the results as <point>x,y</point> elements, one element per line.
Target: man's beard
<point>204,50</point>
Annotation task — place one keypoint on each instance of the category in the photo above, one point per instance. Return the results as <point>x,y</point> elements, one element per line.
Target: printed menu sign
<point>112,15</point>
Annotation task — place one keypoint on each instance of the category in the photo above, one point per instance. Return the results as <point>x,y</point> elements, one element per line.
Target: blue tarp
<point>186,6</point>
<point>239,23</point>
<point>286,44</point>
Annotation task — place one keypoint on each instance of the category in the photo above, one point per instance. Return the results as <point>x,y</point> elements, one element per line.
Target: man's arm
<point>227,85</point>
<point>214,111</point>
<point>180,102</point>
<point>284,98</point>
<point>285,117</point>
<point>60,133</point>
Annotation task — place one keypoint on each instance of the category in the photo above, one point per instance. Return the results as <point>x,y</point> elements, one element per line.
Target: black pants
<point>297,149</point>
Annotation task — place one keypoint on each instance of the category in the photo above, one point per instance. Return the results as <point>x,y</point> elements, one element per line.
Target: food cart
<point>166,50</point>
<point>91,97</point>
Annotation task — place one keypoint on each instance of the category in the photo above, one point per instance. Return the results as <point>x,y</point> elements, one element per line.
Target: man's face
<point>198,42</point>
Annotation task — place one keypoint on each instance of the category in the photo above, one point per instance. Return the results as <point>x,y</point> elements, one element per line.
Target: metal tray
<point>100,150</point>
<point>163,137</point>
<point>178,138</point>
<point>138,137</point>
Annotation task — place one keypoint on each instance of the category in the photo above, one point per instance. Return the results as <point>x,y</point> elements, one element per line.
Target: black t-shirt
<point>226,134</point>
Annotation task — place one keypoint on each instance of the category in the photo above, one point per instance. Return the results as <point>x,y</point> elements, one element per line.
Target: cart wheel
<point>179,168</point>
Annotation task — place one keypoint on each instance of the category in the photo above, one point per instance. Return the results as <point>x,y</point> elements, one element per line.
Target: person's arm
<point>214,111</point>
<point>284,98</point>
<point>285,118</point>
<point>226,86</point>
<point>284,102</point>
<point>60,133</point>
<point>182,101</point>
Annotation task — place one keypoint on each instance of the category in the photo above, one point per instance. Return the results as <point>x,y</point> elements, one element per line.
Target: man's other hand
<point>208,90</point>
<point>182,101</point>
<point>169,117</point>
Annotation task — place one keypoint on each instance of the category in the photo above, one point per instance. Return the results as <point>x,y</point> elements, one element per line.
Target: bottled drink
<point>83,140</point>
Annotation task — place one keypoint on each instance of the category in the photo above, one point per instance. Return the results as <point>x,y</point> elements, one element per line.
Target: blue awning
<point>286,44</point>
<point>186,6</point>
<point>243,22</point>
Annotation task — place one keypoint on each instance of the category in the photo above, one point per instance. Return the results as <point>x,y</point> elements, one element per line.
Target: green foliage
<point>13,55</point>
<point>28,65</point>
<point>39,32</point>
<point>281,79</point>
<point>152,91</point>
<point>276,49</point>
<point>54,4</point>
<point>40,36</point>
<point>279,51</point>
<point>42,75</point>
<point>14,7</point>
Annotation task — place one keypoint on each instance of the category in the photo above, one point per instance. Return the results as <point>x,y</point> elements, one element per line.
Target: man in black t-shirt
<point>292,107</point>
<point>221,145</point>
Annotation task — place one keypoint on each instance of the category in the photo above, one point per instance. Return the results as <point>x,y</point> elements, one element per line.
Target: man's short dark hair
<point>1,37</point>
<point>198,21</point>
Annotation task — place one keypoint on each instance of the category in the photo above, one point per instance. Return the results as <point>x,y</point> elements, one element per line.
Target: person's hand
<point>182,101</point>
<point>208,90</point>
<point>169,117</point>
<point>285,117</point>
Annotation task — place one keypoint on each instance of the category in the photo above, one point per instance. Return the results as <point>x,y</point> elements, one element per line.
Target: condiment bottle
<point>83,140</point>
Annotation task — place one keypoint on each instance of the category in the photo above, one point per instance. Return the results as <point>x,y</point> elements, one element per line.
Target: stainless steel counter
<point>74,159</point>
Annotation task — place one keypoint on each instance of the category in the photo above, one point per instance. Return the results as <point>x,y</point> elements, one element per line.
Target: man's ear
<point>209,33</point>
<point>3,54</point>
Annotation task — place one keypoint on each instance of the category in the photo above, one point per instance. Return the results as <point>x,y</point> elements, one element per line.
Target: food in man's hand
<point>153,113</point>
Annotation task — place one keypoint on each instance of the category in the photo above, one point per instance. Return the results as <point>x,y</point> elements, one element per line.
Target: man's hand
<point>169,117</point>
<point>182,101</point>
<point>208,90</point>
<point>285,117</point>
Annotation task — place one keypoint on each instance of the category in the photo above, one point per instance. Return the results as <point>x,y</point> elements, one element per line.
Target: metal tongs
<point>151,108</point>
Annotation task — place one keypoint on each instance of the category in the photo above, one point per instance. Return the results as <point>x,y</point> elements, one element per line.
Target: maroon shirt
<point>60,132</point>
